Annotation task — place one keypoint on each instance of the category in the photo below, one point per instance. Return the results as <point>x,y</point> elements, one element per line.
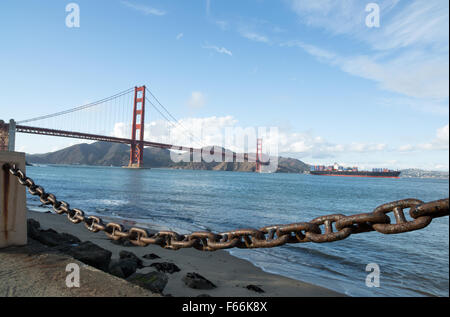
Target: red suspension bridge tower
<point>258,155</point>
<point>137,130</point>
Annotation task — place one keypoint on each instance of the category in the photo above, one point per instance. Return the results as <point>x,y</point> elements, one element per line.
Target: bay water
<point>411,264</point>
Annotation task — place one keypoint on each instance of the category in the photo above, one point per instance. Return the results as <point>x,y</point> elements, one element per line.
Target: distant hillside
<point>113,154</point>
<point>417,173</point>
<point>100,154</point>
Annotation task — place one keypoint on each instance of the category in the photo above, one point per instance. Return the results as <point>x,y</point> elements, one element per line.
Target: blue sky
<point>336,89</point>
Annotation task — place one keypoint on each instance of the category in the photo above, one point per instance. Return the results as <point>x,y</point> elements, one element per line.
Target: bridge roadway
<point>78,135</point>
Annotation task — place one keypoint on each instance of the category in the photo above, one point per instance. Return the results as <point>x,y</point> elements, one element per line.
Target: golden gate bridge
<point>104,119</point>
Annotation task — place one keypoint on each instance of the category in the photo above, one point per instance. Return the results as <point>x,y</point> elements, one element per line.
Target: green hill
<point>114,154</point>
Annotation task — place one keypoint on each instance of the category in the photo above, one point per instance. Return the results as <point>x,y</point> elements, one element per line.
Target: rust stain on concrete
<point>5,200</point>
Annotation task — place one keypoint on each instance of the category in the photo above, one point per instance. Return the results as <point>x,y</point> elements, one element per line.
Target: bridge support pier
<point>13,212</point>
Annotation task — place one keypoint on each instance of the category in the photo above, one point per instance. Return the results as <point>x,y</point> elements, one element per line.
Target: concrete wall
<point>13,218</point>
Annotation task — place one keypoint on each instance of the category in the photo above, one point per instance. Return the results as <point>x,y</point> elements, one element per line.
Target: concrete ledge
<point>36,271</point>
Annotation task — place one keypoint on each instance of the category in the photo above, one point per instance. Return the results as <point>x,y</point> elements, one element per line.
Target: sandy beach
<point>231,275</point>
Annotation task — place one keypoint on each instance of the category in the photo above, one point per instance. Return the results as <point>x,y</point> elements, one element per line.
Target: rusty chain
<point>266,237</point>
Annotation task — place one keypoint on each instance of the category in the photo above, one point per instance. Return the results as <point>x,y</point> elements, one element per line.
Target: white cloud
<point>361,147</point>
<point>253,36</point>
<point>406,148</point>
<point>197,99</point>
<point>442,135</point>
<point>221,50</point>
<point>407,55</point>
<point>415,23</point>
<point>144,9</point>
<point>420,23</point>
<point>412,74</point>
<point>197,132</point>
<point>337,17</point>
<point>192,132</point>
<point>439,143</point>
<point>121,130</point>
<point>424,105</point>
<point>301,146</point>
<point>208,131</point>
<point>179,36</point>
<point>312,50</point>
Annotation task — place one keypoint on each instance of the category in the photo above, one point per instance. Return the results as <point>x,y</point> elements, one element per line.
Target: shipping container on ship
<point>337,170</point>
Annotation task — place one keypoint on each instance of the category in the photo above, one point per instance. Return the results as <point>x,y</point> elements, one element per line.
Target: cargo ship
<point>337,170</point>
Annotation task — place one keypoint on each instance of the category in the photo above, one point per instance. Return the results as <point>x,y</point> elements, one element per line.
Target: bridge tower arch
<point>137,129</point>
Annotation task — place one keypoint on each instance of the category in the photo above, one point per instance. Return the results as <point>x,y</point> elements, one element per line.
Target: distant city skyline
<point>340,83</point>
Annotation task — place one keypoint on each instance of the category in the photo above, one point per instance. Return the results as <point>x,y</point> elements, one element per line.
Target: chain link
<point>267,237</point>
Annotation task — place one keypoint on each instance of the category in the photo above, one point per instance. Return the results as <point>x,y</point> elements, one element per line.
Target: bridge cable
<point>198,140</point>
<point>168,120</point>
<point>92,104</point>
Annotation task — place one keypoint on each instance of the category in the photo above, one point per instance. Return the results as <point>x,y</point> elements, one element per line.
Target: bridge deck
<point>86,136</point>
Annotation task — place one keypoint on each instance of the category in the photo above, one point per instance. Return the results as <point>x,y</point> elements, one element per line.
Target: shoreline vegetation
<point>181,273</point>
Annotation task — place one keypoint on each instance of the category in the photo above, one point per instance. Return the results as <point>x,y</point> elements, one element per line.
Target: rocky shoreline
<point>187,272</point>
<point>124,267</point>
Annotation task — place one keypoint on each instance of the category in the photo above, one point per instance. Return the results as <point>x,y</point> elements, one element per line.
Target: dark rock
<point>68,238</point>
<point>153,281</point>
<point>33,223</point>
<point>203,295</point>
<point>151,256</point>
<point>130,255</point>
<point>33,229</point>
<point>122,268</point>
<point>255,288</point>
<point>115,270</point>
<point>196,281</point>
<point>91,254</point>
<point>122,242</point>
<point>166,267</point>
<point>48,237</point>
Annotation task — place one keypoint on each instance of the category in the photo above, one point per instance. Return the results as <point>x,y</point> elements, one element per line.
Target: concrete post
<point>12,135</point>
<point>4,139</point>
<point>13,216</point>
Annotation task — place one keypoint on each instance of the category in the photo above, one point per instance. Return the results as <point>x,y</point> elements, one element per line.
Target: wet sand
<point>231,275</point>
